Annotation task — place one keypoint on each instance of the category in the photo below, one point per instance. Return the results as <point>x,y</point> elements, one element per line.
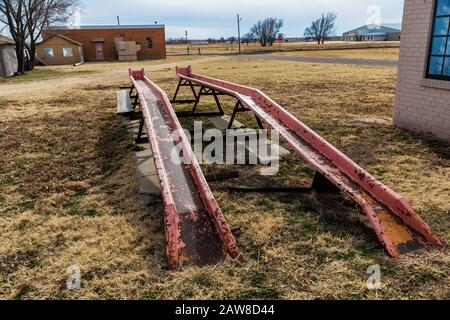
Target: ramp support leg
<point>203,92</point>
<point>176,91</point>
<point>219,106</point>
<point>240,108</point>
<point>139,138</point>
<point>135,103</point>
<point>193,90</point>
<point>131,90</point>
<point>323,185</point>
<point>184,83</point>
<point>197,99</point>
<point>208,92</point>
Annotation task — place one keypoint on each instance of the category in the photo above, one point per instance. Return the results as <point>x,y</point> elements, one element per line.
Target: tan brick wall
<point>86,36</point>
<point>422,105</point>
<point>394,36</point>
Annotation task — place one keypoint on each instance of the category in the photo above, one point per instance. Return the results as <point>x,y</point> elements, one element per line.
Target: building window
<point>149,43</point>
<point>48,53</point>
<point>439,56</point>
<point>68,52</point>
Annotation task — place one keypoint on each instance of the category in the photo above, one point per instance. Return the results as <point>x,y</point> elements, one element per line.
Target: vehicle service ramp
<point>196,230</point>
<point>397,225</point>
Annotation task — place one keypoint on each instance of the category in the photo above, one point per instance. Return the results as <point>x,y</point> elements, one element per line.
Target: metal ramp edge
<point>196,230</point>
<point>398,227</point>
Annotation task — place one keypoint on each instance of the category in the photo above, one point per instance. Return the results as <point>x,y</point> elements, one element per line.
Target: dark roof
<point>371,30</point>
<point>100,27</point>
<point>62,37</point>
<point>5,40</point>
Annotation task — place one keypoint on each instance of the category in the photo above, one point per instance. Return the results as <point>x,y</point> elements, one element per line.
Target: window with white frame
<point>439,56</point>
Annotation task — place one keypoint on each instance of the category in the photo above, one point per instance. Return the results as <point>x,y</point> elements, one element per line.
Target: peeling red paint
<point>394,220</point>
<point>196,230</point>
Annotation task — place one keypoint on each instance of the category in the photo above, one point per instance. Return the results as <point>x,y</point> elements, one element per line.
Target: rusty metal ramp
<point>397,225</point>
<point>196,230</point>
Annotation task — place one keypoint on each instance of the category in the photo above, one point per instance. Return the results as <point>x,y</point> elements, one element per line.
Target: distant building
<point>8,58</point>
<point>374,33</point>
<point>101,42</point>
<point>423,87</point>
<point>59,50</point>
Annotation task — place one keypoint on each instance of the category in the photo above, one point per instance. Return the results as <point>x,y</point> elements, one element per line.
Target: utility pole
<point>239,32</point>
<point>187,41</point>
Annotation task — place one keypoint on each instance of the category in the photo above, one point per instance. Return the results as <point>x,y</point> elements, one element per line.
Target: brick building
<point>100,42</point>
<point>423,88</point>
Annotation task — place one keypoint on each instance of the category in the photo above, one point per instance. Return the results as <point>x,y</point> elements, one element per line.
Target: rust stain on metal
<point>398,227</point>
<point>196,230</point>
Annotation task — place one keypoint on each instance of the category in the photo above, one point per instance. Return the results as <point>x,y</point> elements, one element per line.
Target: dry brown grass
<point>391,54</point>
<point>228,48</point>
<point>68,196</point>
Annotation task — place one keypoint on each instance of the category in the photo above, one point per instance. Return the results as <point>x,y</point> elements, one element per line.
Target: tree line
<point>266,31</point>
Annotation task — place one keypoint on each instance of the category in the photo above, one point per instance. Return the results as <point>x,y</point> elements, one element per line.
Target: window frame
<point>431,41</point>
<point>47,56</point>
<point>71,51</point>
<point>149,40</point>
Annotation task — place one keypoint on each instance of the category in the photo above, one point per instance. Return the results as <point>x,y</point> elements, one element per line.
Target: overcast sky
<point>217,18</point>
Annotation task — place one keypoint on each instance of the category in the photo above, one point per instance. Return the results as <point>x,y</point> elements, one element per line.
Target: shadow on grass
<point>115,152</point>
<point>44,73</point>
<point>439,147</point>
<point>111,147</point>
<point>336,215</point>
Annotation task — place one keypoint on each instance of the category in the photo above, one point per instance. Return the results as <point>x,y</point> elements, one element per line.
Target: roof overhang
<point>107,27</point>
<point>6,41</point>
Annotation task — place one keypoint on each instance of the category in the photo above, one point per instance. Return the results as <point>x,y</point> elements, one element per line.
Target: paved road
<point>362,62</point>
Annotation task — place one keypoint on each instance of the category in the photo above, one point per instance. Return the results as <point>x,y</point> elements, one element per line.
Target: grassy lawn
<point>87,70</point>
<point>391,54</point>
<point>68,195</point>
<point>43,73</point>
<point>221,48</point>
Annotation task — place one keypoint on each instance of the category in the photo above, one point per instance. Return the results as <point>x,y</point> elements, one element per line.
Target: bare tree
<point>12,15</point>
<point>42,13</point>
<point>266,31</point>
<point>322,28</point>
<point>232,40</point>
<point>248,37</point>
<point>27,18</point>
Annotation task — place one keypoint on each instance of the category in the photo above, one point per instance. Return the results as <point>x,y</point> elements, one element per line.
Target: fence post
<point>199,52</point>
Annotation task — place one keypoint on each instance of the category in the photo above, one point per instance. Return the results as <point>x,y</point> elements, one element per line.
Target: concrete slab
<point>146,173</point>
<point>149,186</point>
<point>222,122</point>
<point>133,127</point>
<point>145,163</point>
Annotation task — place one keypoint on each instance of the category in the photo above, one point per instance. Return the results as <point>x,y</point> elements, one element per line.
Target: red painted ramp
<point>196,230</point>
<point>397,225</point>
